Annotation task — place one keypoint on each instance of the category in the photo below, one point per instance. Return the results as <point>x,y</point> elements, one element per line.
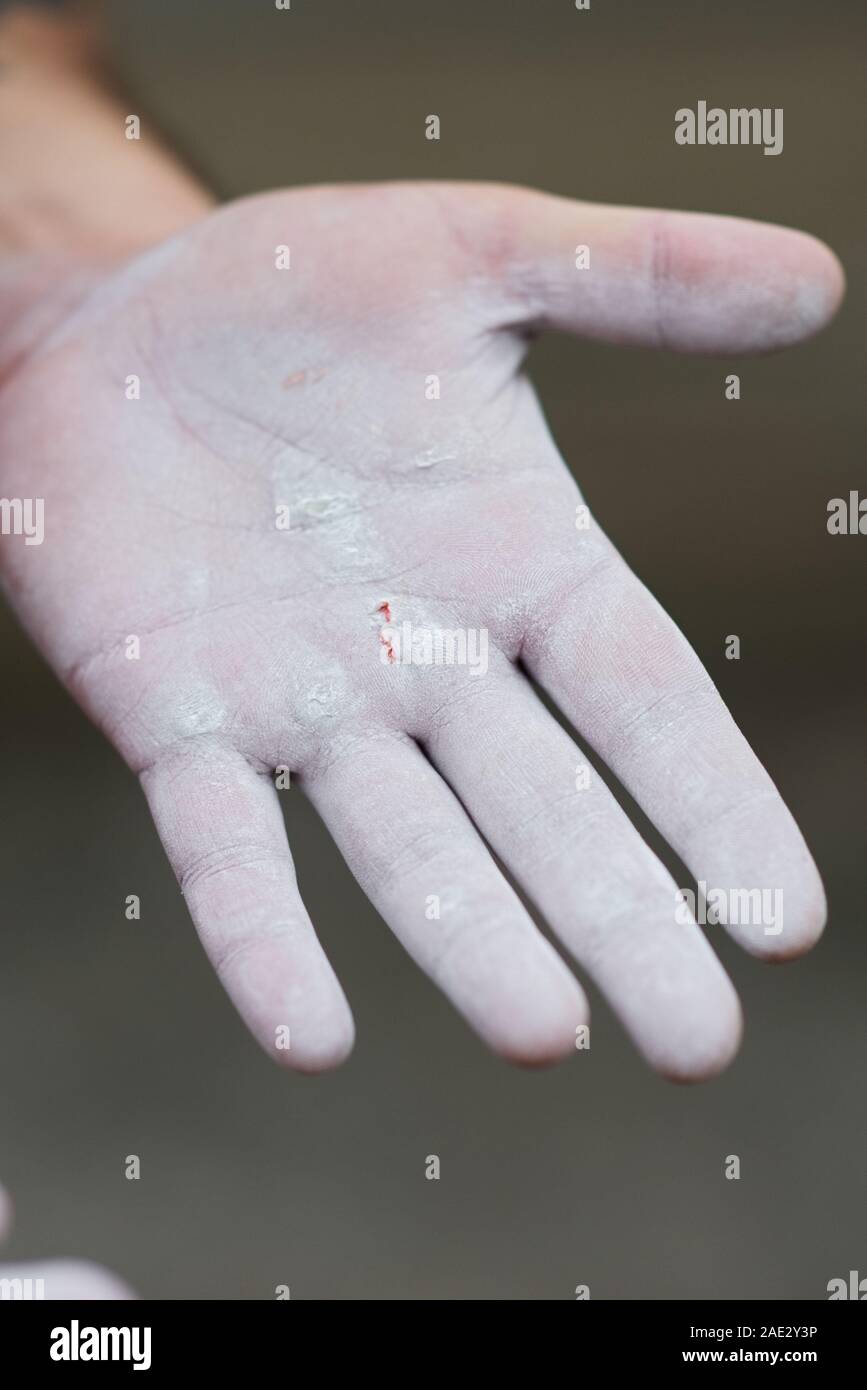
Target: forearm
<point>74,190</point>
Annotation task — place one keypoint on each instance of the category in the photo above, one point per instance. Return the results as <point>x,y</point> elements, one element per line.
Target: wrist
<point>76,196</point>
<point>70,179</point>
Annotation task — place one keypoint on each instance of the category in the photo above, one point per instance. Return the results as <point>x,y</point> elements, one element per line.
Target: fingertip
<point>830,272</point>
<point>817,284</point>
<point>81,1279</point>
<point>290,999</point>
<point>546,1026</point>
<point>316,1047</point>
<point>550,1041</point>
<point>803,921</point>
<point>710,1047</point>
<point>727,284</point>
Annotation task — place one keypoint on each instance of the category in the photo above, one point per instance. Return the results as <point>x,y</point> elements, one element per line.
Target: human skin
<point>260,647</point>
<point>60,1279</point>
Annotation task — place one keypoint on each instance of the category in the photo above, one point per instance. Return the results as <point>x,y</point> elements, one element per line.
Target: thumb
<point>688,281</point>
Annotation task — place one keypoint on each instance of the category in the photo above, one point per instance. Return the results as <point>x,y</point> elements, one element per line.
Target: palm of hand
<point>369,395</point>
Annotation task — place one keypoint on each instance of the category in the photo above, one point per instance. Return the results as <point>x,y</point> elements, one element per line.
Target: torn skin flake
<point>384,610</point>
<point>386,642</point>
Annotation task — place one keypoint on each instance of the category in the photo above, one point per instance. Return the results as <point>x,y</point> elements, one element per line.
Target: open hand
<point>369,393</point>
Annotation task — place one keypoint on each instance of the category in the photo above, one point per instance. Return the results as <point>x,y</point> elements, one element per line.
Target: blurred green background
<point>115,1038</point>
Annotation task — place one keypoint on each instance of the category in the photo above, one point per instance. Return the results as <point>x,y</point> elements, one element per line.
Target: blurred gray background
<point>115,1038</point>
